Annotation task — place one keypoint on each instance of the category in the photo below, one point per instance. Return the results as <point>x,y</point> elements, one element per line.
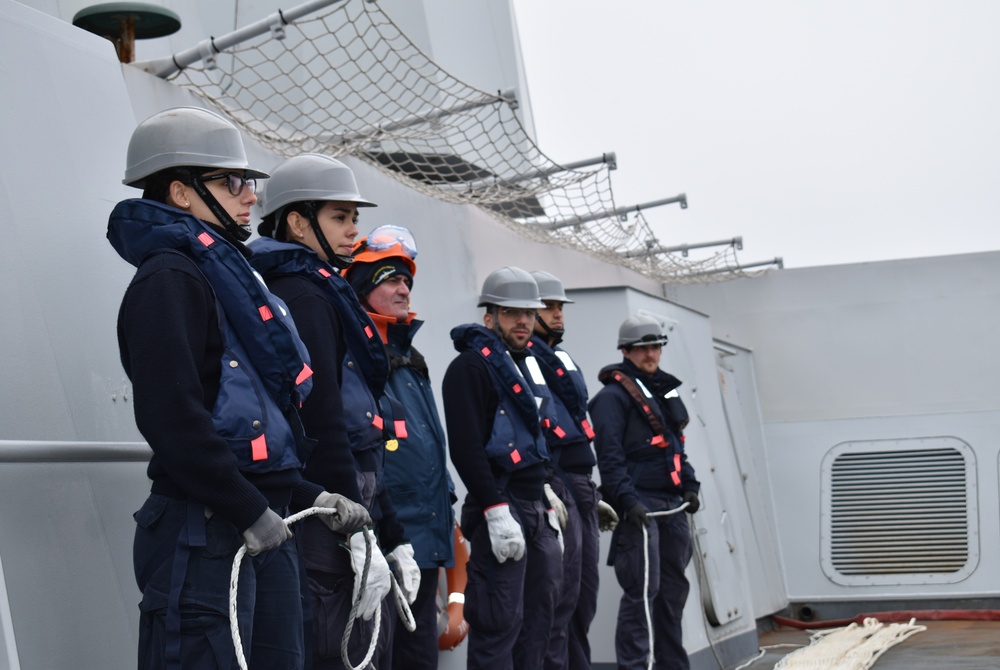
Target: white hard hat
<point>185,137</point>
<point>510,287</point>
<point>310,177</point>
<point>640,331</point>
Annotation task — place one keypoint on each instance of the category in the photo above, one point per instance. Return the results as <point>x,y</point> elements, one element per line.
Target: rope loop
<point>401,605</point>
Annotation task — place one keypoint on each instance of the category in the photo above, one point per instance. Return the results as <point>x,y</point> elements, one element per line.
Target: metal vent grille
<point>898,511</point>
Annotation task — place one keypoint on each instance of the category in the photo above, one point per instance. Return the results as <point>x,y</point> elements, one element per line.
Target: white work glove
<point>350,515</point>
<point>406,569</point>
<point>378,584</point>
<point>553,518</point>
<point>268,532</point>
<point>607,518</point>
<point>506,536</point>
<point>558,506</point>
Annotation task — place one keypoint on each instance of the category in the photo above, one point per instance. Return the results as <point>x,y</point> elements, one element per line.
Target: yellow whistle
<point>392,445</point>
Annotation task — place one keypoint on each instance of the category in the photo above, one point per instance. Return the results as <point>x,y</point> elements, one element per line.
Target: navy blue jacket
<point>192,293</point>
<point>337,330</point>
<point>416,471</point>
<point>489,455</point>
<point>630,459</point>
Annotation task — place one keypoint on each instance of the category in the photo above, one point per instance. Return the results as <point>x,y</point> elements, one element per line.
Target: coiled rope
<point>852,648</point>
<point>645,577</point>
<point>401,605</point>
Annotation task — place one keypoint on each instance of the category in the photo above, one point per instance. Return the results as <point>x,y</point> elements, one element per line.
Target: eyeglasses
<point>234,182</point>
<point>518,312</point>
<point>386,237</point>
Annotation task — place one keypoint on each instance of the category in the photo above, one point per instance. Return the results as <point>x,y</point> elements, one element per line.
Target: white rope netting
<point>851,648</point>
<point>345,80</point>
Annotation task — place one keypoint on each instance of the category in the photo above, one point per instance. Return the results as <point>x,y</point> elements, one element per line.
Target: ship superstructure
<point>842,417</point>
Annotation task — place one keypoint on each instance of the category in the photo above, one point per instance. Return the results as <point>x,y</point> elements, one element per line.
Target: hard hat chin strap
<point>336,260</point>
<point>553,335</point>
<point>494,312</point>
<point>241,233</point>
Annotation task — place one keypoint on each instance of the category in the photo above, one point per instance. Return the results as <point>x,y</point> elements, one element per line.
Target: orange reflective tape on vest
<point>378,422</point>
<point>305,374</point>
<point>400,427</point>
<point>676,474</point>
<point>258,448</point>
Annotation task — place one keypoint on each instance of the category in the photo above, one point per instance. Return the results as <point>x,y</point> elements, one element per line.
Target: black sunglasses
<point>234,182</point>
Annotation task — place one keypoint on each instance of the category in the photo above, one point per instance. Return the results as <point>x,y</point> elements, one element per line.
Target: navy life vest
<point>659,417</point>
<point>274,257</point>
<point>366,363</point>
<point>265,366</point>
<point>569,390</point>
<point>524,408</point>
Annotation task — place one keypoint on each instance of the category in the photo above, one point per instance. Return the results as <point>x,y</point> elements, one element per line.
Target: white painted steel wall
<point>878,351</point>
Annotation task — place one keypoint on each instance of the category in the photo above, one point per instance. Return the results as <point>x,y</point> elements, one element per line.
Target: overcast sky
<point>821,131</point>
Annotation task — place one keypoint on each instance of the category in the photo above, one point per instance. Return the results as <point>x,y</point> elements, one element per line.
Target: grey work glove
<point>378,584</point>
<point>350,515</point>
<point>267,532</point>
<point>506,536</point>
<point>607,518</point>
<point>407,569</point>
<point>558,505</point>
<point>636,515</point>
<point>691,498</point>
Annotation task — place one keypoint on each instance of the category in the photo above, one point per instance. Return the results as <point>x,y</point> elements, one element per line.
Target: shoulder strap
<point>273,257</point>
<point>640,400</point>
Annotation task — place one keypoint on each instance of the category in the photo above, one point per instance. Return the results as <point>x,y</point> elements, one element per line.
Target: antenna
<point>125,22</point>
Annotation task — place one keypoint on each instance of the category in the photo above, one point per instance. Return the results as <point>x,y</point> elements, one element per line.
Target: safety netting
<point>344,80</point>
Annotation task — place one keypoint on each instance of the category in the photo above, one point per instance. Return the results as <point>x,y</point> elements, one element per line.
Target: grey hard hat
<point>310,177</point>
<point>184,137</point>
<point>549,287</point>
<point>510,287</point>
<point>640,331</point>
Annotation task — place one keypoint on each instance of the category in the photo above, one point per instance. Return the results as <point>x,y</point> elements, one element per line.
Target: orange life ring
<point>458,627</point>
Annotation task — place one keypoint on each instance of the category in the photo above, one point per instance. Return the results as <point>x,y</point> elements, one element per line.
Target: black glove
<point>691,498</point>
<point>636,515</point>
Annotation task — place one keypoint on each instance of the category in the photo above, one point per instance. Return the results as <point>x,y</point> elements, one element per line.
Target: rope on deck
<point>852,648</point>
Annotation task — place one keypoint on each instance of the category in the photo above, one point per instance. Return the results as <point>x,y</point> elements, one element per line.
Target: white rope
<point>645,580</point>
<point>345,642</point>
<point>761,652</point>
<point>851,648</point>
<point>401,605</point>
